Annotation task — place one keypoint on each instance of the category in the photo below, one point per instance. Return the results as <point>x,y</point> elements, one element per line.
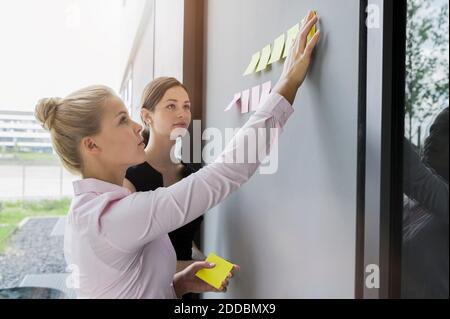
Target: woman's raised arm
<point>142,217</point>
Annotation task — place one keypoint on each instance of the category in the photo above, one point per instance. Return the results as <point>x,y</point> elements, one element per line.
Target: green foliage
<point>12,213</point>
<point>427,70</point>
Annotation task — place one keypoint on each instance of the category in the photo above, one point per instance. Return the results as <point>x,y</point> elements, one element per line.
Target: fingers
<point>303,36</point>
<point>298,40</point>
<point>224,286</point>
<point>226,282</point>
<point>221,290</point>
<point>312,44</point>
<point>201,265</point>
<point>307,18</point>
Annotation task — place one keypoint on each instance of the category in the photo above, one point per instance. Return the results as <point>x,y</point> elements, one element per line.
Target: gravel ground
<point>31,250</point>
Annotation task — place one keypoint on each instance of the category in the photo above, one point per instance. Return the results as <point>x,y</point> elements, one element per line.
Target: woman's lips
<point>182,125</point>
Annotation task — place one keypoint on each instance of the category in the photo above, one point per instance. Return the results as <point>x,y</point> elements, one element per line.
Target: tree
<point>427,70</point>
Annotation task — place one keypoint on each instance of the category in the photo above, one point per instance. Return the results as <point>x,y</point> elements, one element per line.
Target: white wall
<point>133,13</point>
<point>152,46</point>
<point>294,232</point>
<point>142,66</point>
<point>169,27</point>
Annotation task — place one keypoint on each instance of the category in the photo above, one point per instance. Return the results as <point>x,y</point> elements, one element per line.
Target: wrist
<point>292,80</point>
<point>287,88</point>
<point>179,285</point>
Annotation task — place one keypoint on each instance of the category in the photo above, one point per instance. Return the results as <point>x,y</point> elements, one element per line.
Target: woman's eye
<point>187,107</point>
<point>171,106</point>
<point>123,120</point>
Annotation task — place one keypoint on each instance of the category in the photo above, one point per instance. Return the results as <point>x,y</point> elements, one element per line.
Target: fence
<point>29,182</point>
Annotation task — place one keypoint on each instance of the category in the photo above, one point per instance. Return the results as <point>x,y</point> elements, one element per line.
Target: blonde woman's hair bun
<point>72,118</point>
<point>46,110</point>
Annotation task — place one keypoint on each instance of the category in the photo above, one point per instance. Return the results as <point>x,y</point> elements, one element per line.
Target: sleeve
<point>142,217</point>
<point>423,185</point>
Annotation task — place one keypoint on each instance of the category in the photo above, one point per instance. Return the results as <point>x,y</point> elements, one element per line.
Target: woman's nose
<point>138,127</point>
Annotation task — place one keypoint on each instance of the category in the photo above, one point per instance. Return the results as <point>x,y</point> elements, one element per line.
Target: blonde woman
<point>116,241</point>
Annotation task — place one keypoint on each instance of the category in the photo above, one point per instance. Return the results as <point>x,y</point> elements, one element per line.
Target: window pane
<point>425,251</point>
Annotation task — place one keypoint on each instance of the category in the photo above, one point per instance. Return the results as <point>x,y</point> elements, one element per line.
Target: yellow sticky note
<point>278,47</point>
<point>265,57</point>
<point>253,63</point>
<point>215,276</point>
<point>290,39</point>
<point>313,30</point>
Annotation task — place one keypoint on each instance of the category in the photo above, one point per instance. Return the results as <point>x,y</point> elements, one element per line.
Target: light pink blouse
<point>116,242</point>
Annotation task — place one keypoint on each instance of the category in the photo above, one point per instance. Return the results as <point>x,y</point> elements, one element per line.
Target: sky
<point>54,47</point>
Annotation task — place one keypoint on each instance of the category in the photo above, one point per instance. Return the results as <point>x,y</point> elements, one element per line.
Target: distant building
<point>21,131</point>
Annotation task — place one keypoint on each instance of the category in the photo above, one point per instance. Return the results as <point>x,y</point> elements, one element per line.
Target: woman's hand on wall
<point>298,61</point>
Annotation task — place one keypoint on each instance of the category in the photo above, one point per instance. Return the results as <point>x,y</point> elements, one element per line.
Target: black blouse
<point>145,178</point>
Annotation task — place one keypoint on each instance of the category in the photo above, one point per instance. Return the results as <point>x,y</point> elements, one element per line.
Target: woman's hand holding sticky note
<point>217,275</point>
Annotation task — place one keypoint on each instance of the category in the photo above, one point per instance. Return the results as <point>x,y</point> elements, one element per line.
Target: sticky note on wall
<point>253,63</point>
<point>265,57</point>
<point>215,276</point>
<point>290,39</point>
<point>278,47</point>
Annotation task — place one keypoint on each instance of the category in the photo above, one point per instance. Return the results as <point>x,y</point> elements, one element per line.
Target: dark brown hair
<point>153,94</point>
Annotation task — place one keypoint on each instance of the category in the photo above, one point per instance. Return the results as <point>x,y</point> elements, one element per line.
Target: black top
<point>425,250</point>
<point>145,178</point>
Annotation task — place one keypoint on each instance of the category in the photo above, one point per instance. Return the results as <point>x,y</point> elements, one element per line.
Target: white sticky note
<point>291,36</point>
<point>278,47</point>
<point>253,63</point>
<point>265,57</point>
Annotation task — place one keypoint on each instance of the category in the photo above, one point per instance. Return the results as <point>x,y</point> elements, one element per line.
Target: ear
<point>146,115</point>
<point>89,145</point>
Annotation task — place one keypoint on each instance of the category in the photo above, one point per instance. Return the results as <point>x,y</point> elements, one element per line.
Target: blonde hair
<point>71,119</point>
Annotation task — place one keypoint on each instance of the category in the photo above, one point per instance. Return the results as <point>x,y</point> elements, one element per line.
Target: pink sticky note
<point>245,101</point>
<point>234,102</point>
<point>265,91</point>
<point>255,98</point>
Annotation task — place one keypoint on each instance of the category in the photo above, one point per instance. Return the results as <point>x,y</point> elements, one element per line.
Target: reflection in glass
<point>425,248</point>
